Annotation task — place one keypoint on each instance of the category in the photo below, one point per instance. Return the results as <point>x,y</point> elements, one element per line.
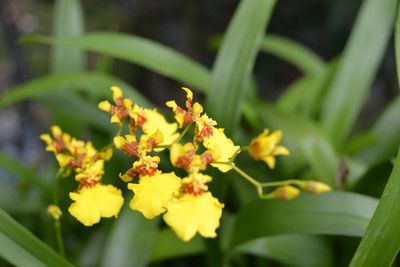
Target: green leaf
<point>336,213</point>
<point>168,246</point>
<point>386,133</point>
<point>293,52</point>
<point>233,66</point>
<point>291,250</point>
<point>96,83</point>
<point>68,22</point>
<point>322,158</point>
<point>357,68</point>
<point>130,241</point>
<point>304,95</point>
<point>397,43</point>
<point>25,174</point>
<point>137,50</point>
<point>381,242</point>
<point>13,234</point>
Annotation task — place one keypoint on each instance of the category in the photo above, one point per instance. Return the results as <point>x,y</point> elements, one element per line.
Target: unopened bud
<point>54,211</point>
<point>286,192</point>
<point>315,187</point>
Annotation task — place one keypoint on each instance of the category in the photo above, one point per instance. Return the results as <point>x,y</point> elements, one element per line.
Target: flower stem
<point>183,133</point>
<point>250,179</point>
<point>57,223</point>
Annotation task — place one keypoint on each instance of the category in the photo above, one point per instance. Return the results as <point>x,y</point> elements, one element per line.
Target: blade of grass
<point>336,213</point>
<point>130,241</point>
<point>168,246</point>
<point>96,83</point>
<point>291,250</point>
<point>323,160</point>
<point>234,63</point>
<point>397,43</point>
<point>381,242</point>
<point>300,56</point>
<point>357,68</point>
<point>386,140</point>
<point>14,233</point>
<point>68,22</point>
<point>137,50</point>
<point>25,174</point>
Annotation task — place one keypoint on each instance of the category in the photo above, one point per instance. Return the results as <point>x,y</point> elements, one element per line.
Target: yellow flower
<point>191,214</point>
<point>58,140</point>
<point>127,144</point>
<point>153,192</point>
<point>90,204</point>
<point>157,122</point>
<point>227,149</point>
<point>184,156</point>
<point>91,175</point>
<point>184,117</point>
<point>120,110</point>
<point>54,211</point>
<point>145,166</point>
<point>264,147</point>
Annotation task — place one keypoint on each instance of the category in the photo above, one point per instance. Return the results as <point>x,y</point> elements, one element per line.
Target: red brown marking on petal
<point>151,142</point>
<point>74,164</point>
<point>59,144</point>
<point>206,158</point>
<point>194,188</point>
<point>188,118</point>
<point>144,170</point>
<point>141,120</point>
<point>131,148</point>
<point>207,131</point>
<point>87,183</point>
<point>183,162</point>
<point>119,101</point>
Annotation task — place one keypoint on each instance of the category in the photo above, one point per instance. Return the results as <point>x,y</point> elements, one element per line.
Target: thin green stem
<point>183,133</point>
<point>244,148</point>
<point>118,133</point>
<point>281,183</point>
<point>57,223</point>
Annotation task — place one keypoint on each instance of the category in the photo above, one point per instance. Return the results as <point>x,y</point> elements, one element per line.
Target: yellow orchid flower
<point>56,142</point>
<point>194,210</point>
<point>120,110</point>
<point>152,193</point>
<point>227,149</point>
<point>265,147</point>
<point>145,166</point>
<point>93,203</point>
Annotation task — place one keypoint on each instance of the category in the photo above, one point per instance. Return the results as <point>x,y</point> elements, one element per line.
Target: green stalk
<point>381,242</point>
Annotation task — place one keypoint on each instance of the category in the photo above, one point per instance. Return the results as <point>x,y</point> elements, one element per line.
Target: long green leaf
<point>25,174</point>
<point>397,43</point>
<point>336,213</point>
<point>97,83</point>
<point>235,60</point>
<point>30,246</point>
<point>68,22</point>
<point>322,158</point>
<point>381,242</point>
<point>291,250</point>
<point>357,68</point>
<point>386,140</point>
<point>293,52</point>
<point>141,51</point>
<point>168,246</point>
<point>130,241</point>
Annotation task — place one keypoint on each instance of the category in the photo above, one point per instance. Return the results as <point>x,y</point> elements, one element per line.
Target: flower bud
<point>314,187</point>
<point>286,192</point>
<point>54,211</point>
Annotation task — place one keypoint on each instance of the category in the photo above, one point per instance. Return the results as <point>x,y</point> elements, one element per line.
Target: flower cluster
<point>92,200</point>
<point>186,203</point>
